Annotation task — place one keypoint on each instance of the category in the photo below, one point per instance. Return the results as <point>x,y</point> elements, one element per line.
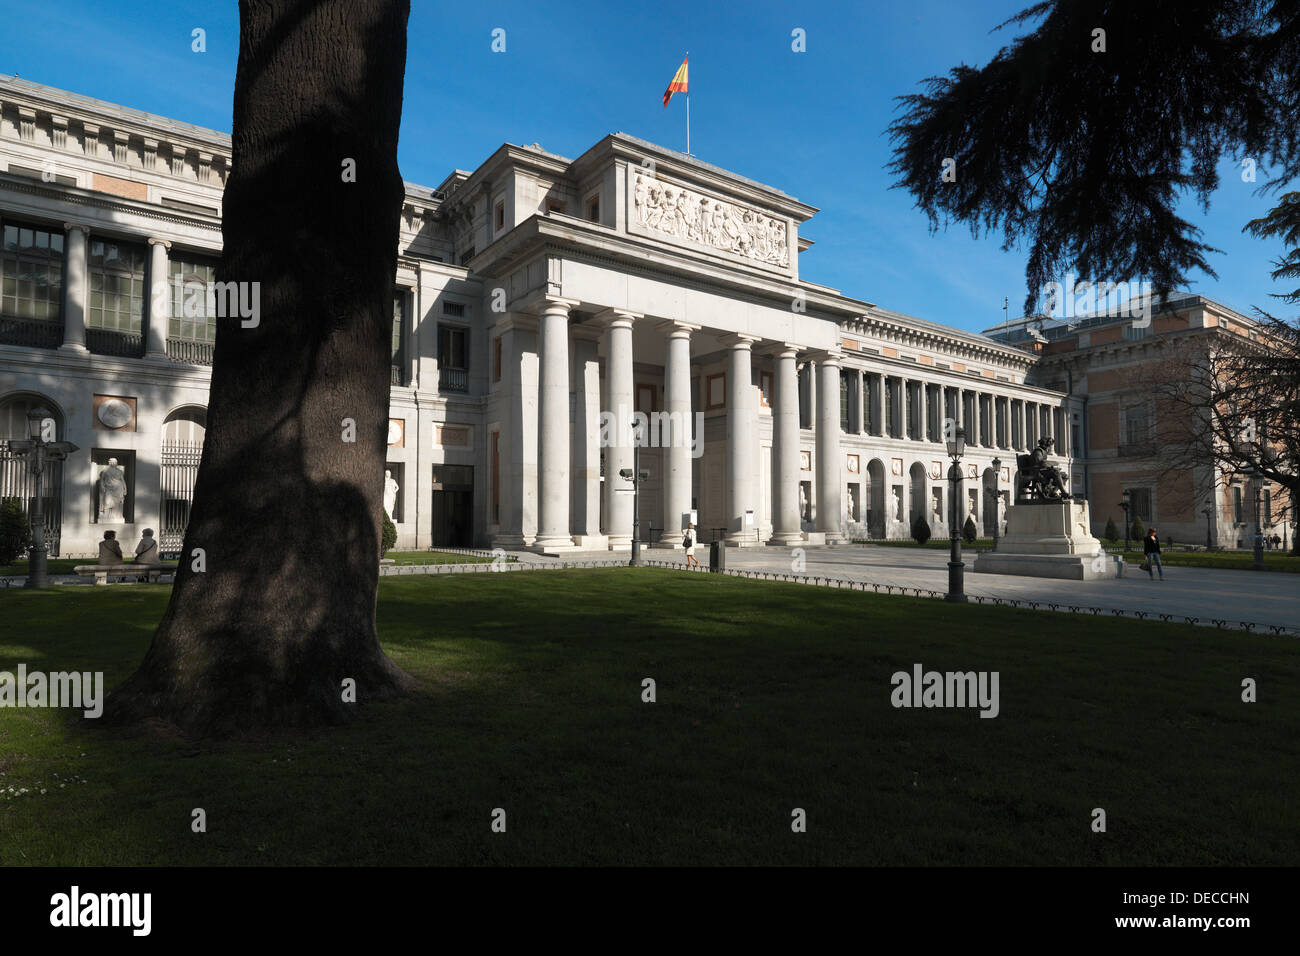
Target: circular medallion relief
<point>114,413</point>
<point>394,431</point>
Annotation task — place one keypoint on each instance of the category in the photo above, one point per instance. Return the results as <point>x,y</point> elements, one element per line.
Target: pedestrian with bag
<point>688,542</point>
<point>1151,555</point>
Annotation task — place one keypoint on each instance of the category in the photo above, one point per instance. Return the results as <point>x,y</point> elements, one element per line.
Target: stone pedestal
<point>1050,539</point>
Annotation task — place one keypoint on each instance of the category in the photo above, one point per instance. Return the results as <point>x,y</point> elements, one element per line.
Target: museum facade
<point>542,307</point>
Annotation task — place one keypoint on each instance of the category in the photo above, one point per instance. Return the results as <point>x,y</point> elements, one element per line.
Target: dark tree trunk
<point>287,512</point>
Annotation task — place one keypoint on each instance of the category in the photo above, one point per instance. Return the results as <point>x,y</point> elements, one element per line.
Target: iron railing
<point>33,333</point>
<point>113,342</point>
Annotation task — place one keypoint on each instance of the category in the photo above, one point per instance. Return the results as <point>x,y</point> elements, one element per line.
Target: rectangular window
<point>1134,332</point>
<point>593,209</point>
<point>398,354</point>
<point>1236,505</point>
<point>467,255</point>
<point>1135,425</point>
<point>554,205</point>
<point>1140,503</point>
<point>715,388</point>
<point>889,408</point>
<point>455,309</point>
<point>1265,515</point>
<point>645,399</point>
<point>496,359</point>
<point>451,348</point>
<point>501,215</point>
<point>31,273</point>
<point>844,402</point>
<point>765,387</point>
<point>866,401</point>
<point>193,317</point>
<point>117,287</point>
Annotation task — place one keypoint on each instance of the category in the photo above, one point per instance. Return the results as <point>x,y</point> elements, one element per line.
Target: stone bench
<point>102,572</point>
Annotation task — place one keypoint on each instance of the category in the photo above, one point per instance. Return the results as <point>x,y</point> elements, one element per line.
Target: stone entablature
<point>111,138</point>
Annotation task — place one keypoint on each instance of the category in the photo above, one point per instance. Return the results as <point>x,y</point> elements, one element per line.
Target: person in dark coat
<point>1151,551</point>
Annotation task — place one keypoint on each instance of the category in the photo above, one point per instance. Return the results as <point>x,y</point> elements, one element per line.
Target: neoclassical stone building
<point>536,298</point>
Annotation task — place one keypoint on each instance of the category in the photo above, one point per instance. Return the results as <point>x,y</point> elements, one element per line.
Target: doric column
<point>785,451</point>
<point>620,404</point>
<point>585,488</point>
<point>925,411</point>
<point>977,418</point>
<point>677,445</point>
<point>864,405</point>
<point>742,438</point>
<point>160,300</point>
<point>879,426</point>
<point>828,451</point>
<point>75,285</point>
<point>553,425</point>
<point>517,440</point>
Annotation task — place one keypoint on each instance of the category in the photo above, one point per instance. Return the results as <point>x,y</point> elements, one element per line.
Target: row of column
<point>553,435</point>
<point>77,293</point>
<point>991,421</point>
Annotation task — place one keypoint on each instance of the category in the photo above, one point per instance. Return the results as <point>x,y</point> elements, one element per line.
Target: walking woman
<point>1151,552</point>
<point>688,542</point>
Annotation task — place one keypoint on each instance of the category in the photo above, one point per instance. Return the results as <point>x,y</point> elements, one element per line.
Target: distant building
<point>533,295</point>
<point>1108,361</point>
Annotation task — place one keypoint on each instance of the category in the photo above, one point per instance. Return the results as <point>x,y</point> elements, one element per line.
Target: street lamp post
<point>636,475</point>
<point>997,501</point>
<point>1209,520</point>
<point>956,570</point>
<point>38,450</point>
<point>1125,505</point>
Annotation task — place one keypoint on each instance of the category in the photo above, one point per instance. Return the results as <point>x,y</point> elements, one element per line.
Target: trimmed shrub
<point>968,531</point>
<point>390,536</point>
<point>15,533</point>
<point>920,530</point>
<point>1111,532</point>
<point>1139,530</point>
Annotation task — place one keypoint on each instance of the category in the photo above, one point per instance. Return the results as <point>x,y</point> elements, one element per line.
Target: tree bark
<point>287,511</point>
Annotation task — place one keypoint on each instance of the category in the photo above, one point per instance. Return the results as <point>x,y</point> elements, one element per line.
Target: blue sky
<point>812,124</point>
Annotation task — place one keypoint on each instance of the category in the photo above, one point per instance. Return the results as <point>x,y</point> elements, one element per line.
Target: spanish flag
<point>679,83</point>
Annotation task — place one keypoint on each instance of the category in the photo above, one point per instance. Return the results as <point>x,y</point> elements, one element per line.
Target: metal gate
<point>17,481</point>
<point>180,466</point>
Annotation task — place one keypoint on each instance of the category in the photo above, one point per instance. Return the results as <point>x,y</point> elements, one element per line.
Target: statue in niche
<point>898,502</point>
<point>112,493</point>
<point>391,487</point>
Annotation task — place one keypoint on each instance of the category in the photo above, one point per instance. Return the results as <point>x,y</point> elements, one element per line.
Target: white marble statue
<point>112,493</point>
<point>391,488</point>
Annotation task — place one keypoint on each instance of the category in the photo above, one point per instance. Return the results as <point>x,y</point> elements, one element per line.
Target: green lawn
<point>1222,560</point>
<point>435,557</point>
<point>770,696</point>
<point>53,566</point>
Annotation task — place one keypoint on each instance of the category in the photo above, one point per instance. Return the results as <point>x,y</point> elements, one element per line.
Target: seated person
<point>110,552</point>
<point>146,552</point>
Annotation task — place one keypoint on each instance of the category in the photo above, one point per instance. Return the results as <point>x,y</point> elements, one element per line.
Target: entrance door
<point>452,512</point>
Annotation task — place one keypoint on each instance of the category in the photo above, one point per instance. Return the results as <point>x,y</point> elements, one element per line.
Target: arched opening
<point>917,495</point>
<point>16,478</point>
<point>874,519</point>
<point>182,448</point>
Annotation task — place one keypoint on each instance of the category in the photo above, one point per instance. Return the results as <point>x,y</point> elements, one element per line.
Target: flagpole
<point>688,122</point>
